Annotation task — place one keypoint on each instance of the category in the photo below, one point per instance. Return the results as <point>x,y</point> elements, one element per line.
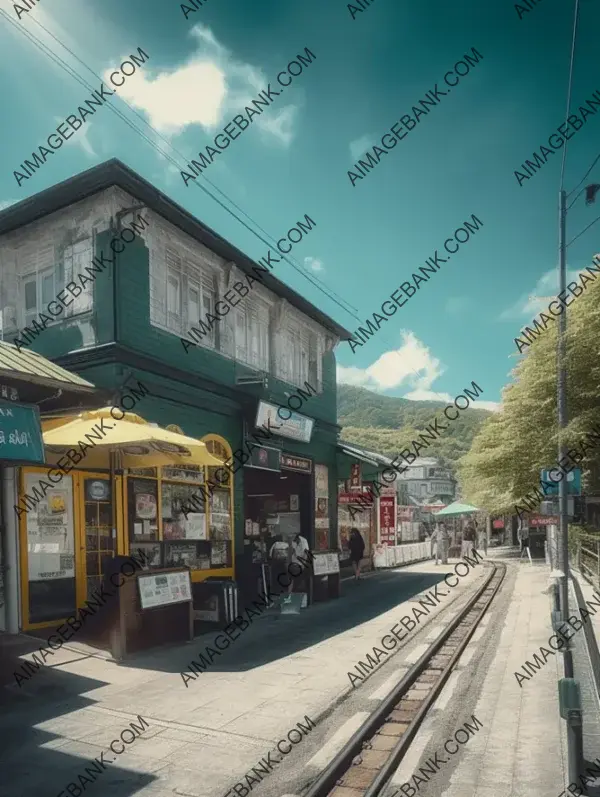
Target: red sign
<point>387,519</point>
<point>543,520</point>
<point>433,508</point>
<point>354,498</point>
<point>355,478</point>
<point>497,524</point>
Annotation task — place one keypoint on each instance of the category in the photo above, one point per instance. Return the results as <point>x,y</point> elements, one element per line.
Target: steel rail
<point>327,780</point>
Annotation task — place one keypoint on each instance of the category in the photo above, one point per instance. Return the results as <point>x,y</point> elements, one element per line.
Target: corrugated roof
<point>32,367</point>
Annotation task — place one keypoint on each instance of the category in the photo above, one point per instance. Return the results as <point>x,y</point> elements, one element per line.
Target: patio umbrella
<point>130,442</point>
<point>456,509</point>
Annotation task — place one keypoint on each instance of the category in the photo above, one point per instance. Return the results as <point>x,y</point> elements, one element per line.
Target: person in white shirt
<point>300,547</point>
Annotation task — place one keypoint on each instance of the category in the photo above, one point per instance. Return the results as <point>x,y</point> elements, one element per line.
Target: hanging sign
<point>20,433</point>
<point>498,524</point>
<point>296,426</point>
<point>355,476</point>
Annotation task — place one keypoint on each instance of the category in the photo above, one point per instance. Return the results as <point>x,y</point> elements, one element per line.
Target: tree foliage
<point>387,424</point>
<point>512,446</point>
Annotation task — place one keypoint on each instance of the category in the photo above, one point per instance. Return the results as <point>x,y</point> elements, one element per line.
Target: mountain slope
<point>387,423</point>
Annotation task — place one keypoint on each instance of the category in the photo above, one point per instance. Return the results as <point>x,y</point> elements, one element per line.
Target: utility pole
<point>563,550</point>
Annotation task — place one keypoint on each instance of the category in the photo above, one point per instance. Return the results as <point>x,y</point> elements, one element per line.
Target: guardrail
<point>394,555</point>
<point>588,560</point>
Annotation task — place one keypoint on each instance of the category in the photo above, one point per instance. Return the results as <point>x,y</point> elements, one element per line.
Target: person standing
<point>475,538</point>
<point>443,542</point>
<point>357,549</point>
<point>435,545</point>
<point>467,541</point>
<point>483,542</point>
<point>300,547</point>
<point>279,555</point>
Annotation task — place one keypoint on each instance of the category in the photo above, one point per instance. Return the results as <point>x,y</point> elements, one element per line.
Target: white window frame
<point>37,277</point>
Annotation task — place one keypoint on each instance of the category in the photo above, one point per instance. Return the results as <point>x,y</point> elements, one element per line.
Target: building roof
<point>115,173</point>
<point>32,367</point>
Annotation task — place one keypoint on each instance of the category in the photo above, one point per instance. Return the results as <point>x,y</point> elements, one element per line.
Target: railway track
<point>366,763</point>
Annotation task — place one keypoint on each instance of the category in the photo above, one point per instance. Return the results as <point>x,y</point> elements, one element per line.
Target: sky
<point>372,232</point>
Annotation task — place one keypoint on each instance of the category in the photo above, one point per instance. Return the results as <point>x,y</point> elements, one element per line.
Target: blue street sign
<point>551,483</point>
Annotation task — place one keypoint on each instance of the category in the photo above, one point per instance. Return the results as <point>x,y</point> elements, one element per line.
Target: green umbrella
<point>456,509</point>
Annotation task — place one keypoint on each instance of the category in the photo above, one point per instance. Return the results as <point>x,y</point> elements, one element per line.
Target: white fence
<point>394,555</point>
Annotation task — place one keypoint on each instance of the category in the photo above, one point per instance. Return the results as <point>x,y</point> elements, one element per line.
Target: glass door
<point>100,545</point>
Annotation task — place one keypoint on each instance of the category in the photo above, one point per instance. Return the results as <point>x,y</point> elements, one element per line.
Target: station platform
<point>204,735</point>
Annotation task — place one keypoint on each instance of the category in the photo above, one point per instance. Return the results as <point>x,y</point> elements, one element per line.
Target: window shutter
<point>81,256</point>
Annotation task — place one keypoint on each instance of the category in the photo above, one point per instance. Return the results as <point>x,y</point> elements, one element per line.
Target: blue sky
<point>368,72</point>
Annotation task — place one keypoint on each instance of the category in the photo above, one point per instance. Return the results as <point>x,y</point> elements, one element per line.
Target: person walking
<point>483,542</point>
<point>475,537</point>
<point>357,549</point>
<point>434,544</point>
<point>300,547</point>
<point>467,540</point>
<point>443,543</point>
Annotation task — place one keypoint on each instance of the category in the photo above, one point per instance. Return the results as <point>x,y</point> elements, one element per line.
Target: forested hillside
<point>387,424</point>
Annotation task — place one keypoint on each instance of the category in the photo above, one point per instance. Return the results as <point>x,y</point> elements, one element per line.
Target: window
<point>74,260</point>
<point>37,291</point>
<point>173,302</point>
<point>185,300</point>
<point>252,334</point>
<point>300,357</point>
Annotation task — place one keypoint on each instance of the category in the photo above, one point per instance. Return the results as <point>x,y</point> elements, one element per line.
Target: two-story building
<point>427,481</point>
<point>108,277</point>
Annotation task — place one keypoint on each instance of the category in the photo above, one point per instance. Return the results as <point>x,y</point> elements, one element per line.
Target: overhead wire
<point>315,281</point>
<point>63,65</point>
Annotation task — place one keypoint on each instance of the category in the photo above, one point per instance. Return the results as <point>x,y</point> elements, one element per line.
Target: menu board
<point>162,589</point>
<point>326,563</point>
<point>321,506</point>
<point>50,537</point>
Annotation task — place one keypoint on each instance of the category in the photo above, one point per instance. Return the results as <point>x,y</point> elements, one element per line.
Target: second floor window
<point>189,299</point>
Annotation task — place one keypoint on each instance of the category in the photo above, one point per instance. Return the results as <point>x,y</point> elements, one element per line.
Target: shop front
<point>71,532</point>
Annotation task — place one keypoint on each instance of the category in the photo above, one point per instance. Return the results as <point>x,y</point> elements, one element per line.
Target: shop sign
<point>354,498</point>
<point>296,427</point>
<point>264,458</point>
<point>432,508</point>
<point>321,507</point>
<point>97,489</point>
<point>301,464</point>
<point>387,519</point>
<point>355,476</point>
<point>20,433</point>
<point>498,524</point>
<point>543,520</point>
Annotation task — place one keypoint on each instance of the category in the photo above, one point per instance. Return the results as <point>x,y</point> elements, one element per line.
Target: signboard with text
<point>355,476</point>
<point>551,484</point>
<point>387,519</point>
<point>20,433</point>
<point>292,424</point>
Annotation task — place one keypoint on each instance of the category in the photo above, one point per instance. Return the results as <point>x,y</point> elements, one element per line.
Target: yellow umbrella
<point>130,442</point>
<point>96,435</point>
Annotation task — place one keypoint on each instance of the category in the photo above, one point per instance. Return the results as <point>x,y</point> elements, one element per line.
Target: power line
<point>569,89</point>
<point>584,230</point>
<point>596,159</point>
<point>60,62</point>
<point>270,243</point>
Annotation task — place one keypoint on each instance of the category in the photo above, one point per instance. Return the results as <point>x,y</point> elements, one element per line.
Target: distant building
<point>428,482</point>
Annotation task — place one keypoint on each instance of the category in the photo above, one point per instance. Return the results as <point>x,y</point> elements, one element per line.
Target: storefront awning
<point>357,453</point>
<point>31,367</point>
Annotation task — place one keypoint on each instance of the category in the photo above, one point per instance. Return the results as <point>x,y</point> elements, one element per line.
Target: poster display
<point>162,589</point>
<point>326,563</point>
<point>50,534</point>
<point>321,507</point>
<point>195,526</point>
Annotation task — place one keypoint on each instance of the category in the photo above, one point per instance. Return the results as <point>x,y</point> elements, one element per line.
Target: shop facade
<point>151,317</point>
<point>33,566</point>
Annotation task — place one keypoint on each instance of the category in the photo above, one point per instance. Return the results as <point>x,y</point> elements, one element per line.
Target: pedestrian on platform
<point>357,549</point>
<point>467,539</point>
<point>482,542</point>
<point>475,537</point>
<point>443,543</point>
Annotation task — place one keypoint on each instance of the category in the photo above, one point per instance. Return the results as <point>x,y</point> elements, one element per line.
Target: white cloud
<point>533,302</point>
<point>359,146</point>
<point>412,366</point>
<point>457,304</point>
<point>208,90</point>
<point>7,203</point>
<point>313,264</point>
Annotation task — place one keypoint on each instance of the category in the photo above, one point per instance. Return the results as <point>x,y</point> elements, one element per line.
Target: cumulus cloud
<point>359,146</point>
<point>6,203</point>
<point>412,367</point>
<point>529,304</point>
<point>208,89</point>
<point>313,264</point>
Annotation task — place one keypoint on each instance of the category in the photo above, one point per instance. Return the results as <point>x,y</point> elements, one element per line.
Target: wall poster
<point>321,507</point>
<point>50,535</point>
